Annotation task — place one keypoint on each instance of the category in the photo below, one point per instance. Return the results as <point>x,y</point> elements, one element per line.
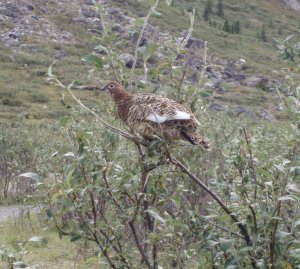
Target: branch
<point>130,137</point>
<point>136,239</point>
<point>242,227</point>
<point>139,40</point>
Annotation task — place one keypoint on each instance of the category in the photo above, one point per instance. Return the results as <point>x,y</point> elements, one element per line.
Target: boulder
<point>195,43</point>
<point>239,77</point>
<point>127,58</point>
<point>257,81</point>
<point>216,107</point>
<point>194,78</point>
<point>264,114</point>
<point>88,12</point>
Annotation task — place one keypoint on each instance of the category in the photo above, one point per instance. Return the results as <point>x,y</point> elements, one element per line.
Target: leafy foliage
<point>144,208</point>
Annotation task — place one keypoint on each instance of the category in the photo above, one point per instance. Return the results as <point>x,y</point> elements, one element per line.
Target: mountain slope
<point>33,34</point>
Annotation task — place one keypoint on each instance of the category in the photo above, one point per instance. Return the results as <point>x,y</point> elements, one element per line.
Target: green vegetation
<point>133,205</point>
<point>28,243</point>
<point>251,15</point>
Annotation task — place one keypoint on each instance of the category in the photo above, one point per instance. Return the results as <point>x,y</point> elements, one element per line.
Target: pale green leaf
<point>211,243</point>
<point>281,235</point>
<point>225,244</point>
<point>139,21</point>
<point>288,198</point>
<point>19,264</point>
<point>294,187</point>
<point>100,47</point>
<point>148,52</point>
<point>31,175</point>
<point>154,12</point>
<point>63,121</point>
<point>155,215</point>
<point>93,59</point>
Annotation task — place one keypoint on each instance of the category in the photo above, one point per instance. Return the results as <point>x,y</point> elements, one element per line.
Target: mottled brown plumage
<point>153,115</point>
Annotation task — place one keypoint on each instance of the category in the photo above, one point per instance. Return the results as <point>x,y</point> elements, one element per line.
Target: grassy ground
<point>25,93</point>
<point>57,253</point>
<point>260,56</point>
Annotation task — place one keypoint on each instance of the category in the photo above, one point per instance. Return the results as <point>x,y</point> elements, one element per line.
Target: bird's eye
<point>111,86</point>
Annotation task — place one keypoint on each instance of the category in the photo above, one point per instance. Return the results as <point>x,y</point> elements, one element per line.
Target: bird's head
<point>116,90</point>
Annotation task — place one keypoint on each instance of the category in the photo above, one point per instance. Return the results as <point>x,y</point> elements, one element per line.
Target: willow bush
<point>155,205</point>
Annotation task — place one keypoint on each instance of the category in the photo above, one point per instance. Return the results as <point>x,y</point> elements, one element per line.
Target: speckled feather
<point>153,115</point>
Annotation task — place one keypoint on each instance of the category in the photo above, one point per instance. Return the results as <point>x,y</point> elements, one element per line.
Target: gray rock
<point>134,38</point>
<point>194,78</point>
<point>10,10</point>
<point>89,2</point>
<point>127,58</point>
<point>257,81</point>
<point>238,110</point>
<point>58,54</point>
<point>216,107</point>
<point>88,12</point>
<point>116,28</point>
<point>220,90</point>
<point>263,114</point>
<point>195,43</point>
<point>239,77</point>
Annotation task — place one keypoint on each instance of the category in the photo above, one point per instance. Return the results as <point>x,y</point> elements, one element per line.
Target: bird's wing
<point>163,117</point>
<point>159,109</point>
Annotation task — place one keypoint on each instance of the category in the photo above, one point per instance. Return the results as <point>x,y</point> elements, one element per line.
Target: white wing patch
<point>180,115</point>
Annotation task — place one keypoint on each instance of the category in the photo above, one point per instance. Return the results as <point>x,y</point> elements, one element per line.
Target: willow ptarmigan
<point>152,115</point>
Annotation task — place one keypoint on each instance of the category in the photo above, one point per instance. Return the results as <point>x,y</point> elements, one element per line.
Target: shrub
<point>153,205</point>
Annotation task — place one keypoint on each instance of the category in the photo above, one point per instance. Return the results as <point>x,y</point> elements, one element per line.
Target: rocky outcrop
<point>294,4</point>
<point>25,21</point>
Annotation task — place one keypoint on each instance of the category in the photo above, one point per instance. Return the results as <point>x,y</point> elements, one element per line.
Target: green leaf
<point>49,72</point>
<point>155,215</point>
<point>42,241</point>
<point>49,213</point>
<point>211,243</point>
<point>31,175</point>
<point>225,244</point>
<point>139,21</point>
<point>231,263</point>
<point>294,187</point>
<point>169,2</point>
<point>93,59</point>
<point>100,47</point>
<point>281,235</point>
<point>288,198</point>
<point>75,238</point>
<point>37,239</point>
<point>148,52</point>
<point>296,170</point>
<point>297,223</point>
<point>63,121</point>
<point>154,12</point>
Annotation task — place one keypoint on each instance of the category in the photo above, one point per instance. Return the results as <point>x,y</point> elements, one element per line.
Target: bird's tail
<point>195,139</point>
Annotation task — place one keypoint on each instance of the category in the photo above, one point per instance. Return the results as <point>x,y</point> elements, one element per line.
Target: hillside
<point>125,201</point>
<point>33,34</point>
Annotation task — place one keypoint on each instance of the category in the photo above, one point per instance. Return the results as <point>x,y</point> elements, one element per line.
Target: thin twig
<point>110,127</point>
<point>137,242</point>
<point>242,227</point>
<point>139,41</point>
<point>278,209</point>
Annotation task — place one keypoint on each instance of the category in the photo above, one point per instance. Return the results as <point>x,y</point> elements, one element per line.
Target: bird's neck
<point>121,95</point>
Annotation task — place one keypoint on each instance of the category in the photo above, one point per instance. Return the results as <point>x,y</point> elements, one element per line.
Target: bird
<point>152,115</point>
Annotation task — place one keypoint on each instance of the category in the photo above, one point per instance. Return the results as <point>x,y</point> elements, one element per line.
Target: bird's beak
<point>103,88</point>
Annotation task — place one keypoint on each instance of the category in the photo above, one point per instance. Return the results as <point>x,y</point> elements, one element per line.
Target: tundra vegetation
<point>140,204</point>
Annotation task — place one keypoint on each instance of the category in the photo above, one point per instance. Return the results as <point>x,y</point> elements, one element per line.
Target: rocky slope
<point>295,4</point>
<point>32,22</point>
